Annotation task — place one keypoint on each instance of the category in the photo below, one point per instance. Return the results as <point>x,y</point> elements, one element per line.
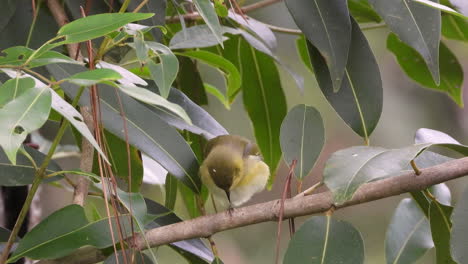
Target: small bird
<point>233,170</point>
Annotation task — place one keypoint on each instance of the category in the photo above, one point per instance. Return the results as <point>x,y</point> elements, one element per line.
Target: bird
<point>233,170</point>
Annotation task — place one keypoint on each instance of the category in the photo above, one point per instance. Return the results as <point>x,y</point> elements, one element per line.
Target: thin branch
<point>206,226</point>
<point>61,18</point>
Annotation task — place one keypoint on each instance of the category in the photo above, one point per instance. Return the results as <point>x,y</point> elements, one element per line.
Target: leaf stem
<point>417,171</point>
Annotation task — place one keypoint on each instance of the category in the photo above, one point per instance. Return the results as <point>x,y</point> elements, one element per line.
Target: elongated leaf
<point>233,77</point>
<point>91,77</point>
<point>199,36</point>
<point>190,82</point>
<point>302,50</point>
<point>454,27</point>
<point>330,34</point>
<point>164,72</point>
<point>348,169</point>
<point>7,12</point>
<point>140,258</point>
<point>264,100</point>
<point>442,8</point>
<point>95,26</point>
<point>18,55</point>
<point>409,235</point>
<point>23,172</point>
<point>451,72</point>
<point>259,29</point>
<point>459,239</point>
<point>323,240</point>
<point>416,25</point>
<point>362,11</point>
<point>22,115</point>
<point>207,11</point>
<point>14,88</point>
<point>128,77</point>
<point>159,9</point>
<point>218,94</point>
<point>155,138</point>
<point>360,99</point>
<point>302,138</point>
<point>66,230</point>
<point>171,192</point>
<point>441,225</point>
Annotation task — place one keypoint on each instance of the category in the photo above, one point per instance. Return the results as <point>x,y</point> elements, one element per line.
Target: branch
<point>300,205</point>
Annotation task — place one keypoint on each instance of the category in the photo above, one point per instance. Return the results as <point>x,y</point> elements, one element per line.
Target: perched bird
<point>233,170</point>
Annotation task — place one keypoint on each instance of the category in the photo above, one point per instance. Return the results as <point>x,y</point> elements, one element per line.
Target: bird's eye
<point>213,170</point>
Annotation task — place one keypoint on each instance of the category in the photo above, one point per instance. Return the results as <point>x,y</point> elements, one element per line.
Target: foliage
<point>142,80</point>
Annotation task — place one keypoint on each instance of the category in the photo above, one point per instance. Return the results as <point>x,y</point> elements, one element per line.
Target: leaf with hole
<point>18,55</point>
<point>302,137</point>
<point>14,88</point>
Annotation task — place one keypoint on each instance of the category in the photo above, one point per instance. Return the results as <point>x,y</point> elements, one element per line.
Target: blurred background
<point>407,107</point>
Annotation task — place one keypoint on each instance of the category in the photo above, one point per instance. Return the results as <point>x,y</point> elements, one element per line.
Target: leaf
<point>408,236</point>
<point>440,7</point>
<point>91,77</point>
<point>198,36</point>
<point>454,27</point>
<point>202,122</point>
<point>66,230</point>
<point>302,137</point>
<point>426,135</point>
<point>190,201</point>
<point>360,99</point>
<point>13,88</point>
<point>330,34</point>
<point>441,225</point>
<point>95,26</point>
<point>208,13</point>
<point>259,29</point>
<point>416,25</point>
<point>190,82</point>
<point>164,72</point>
<point>18,55</point>
<point>264,101</point>
<point>159,9</point>
<point>301,47</point>
<point>165,217</point>
<point>459,239</point>
<point>362,11</point>
<point>158,140</point>
<point>4,234</point>
<point>232,75</point>
<point>348,169</point>
<point>451,72</point>
<point>324,240</point>
<point>171,192</point>
<point>22,115</point>
<point>7,11</point>
<point>140,258</point>
<point>217,260</point>
<point>218,94</point>
<point>127,76</point>
<point>23,172</point>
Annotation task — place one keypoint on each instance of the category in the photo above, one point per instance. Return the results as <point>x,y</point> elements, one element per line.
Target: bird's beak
<point>228,193</point>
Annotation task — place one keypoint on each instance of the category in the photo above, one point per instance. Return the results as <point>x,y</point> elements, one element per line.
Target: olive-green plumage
<point>233,169</point>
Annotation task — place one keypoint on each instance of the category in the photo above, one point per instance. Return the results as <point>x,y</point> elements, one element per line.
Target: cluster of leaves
<point>138,66</point>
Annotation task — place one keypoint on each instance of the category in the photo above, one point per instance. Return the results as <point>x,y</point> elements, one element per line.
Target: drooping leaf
<point>408,236</point>
<point>302,138</point>
<point>18,55</point>
<point>155,138</point>
<point>362,11</point>
<point>66,230</point>
<point>190,201</point>
<point>189,81</point>
<point>232,75</point>
<point>257,28</point>
<point>427,135</point>
<point>301,47</point>
<point>454,27</point>
<point>208,13</point>
<point>95,26</point>
<point>171,192</point>
<point>459,239</point>
<point>218,94</point>
<point>330,34</point>
<point>264,100</point>
<point>127,76</point>
<point>164,72</point>
<point>451,72</point>
<point>360,99</point>
<point>23,172</point>
<point>24,114</point>
<point>416,25</point>
<point>441,225</point>
<point>198,36</point>
<point>442,8</point>
<point>323,240</point>
<point>159,9</point>
<point>91,77</point>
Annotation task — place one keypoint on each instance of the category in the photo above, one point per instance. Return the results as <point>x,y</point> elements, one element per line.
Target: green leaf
<point>190,201</point>
<point>95,26</point>
<point>441,225</point>
<point>217,260</point>
<point>330,34</point>
<point>360,99</point>
<point>7,11</point>
<point>324,240</point>
<point>18,55</point>
<point>190,82</point>
<point>301,47</point>
<point>23,172</point>
<point>159,18</point>
<point>4,234</point>
<point>408,236</point>
<point>451,72</point>
<point>362,11</point>
<point>442,8</point>
<point>220,8</point>
<point>416,25</point>
<point>264,101</point>
<point>208,13</point>
<point>232,75</point>
<point>218,94</point>
<point>140,258</point>
<point>454,27</point>
<point>158,140</point>
<point>164,72</point>
<point>13,88</point>
<point>257,28</point>
<point>22,115</point>
<point>171,192</point>
<point>459,239</point>
<point>302,137</point>
<point>66,230</point>
<point>91,77</point>
<point>198,36</point>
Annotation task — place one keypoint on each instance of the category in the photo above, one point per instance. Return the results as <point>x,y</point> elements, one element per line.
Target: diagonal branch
<point>206,226</point>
